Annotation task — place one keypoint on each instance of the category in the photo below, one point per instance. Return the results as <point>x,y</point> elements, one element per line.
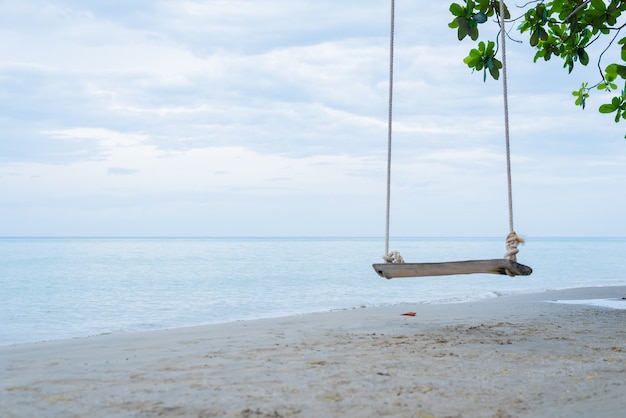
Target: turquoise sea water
<point>54,288</point>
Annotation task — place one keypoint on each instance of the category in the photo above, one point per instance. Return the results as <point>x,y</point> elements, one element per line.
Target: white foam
<point>604,303</point>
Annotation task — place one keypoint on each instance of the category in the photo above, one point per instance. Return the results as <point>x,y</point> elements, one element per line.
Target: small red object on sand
<point>409,314</point>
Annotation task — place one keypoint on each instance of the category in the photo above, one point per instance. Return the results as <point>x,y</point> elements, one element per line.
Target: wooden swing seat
<point>494,266</point>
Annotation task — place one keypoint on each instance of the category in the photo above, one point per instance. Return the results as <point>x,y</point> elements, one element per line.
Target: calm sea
<point>55,288</point>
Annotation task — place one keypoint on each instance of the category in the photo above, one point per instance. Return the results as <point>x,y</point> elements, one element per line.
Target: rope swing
<point>394,265</point>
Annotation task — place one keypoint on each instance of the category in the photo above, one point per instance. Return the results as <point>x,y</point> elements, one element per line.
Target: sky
<point>269,118</point>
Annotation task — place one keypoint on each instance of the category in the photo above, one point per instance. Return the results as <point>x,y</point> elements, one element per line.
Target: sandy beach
<point>512,356</point>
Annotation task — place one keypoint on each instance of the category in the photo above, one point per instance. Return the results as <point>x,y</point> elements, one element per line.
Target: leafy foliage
<point>562,29</point>
<point>468,18</point>
<point>484,58</point>
<point>581,95</point>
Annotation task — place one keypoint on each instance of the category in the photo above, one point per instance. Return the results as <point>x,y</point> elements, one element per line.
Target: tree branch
<point>606,49</point>
<point>577,9</point>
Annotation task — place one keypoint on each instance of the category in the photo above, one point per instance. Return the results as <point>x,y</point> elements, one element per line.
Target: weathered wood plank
<point>494,266</point>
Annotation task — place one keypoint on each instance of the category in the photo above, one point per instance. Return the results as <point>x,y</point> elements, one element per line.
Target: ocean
<point>58,288</point>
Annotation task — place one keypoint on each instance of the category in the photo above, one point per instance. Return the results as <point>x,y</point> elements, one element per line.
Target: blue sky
<point>237,117</point>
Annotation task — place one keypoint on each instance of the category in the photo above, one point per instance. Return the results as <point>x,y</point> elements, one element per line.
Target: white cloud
<point>104,137</point>
<point>264,114</point>
<point>150,171</point>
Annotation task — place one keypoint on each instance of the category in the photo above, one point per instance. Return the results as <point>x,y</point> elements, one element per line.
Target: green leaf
<point>534,38</point>
<point>610,73</point>
<point>541,32</point>
<point>473,32</point>
<point>583,56</point>
<point>457,9</point>
<point>523,27</point>
<point>607,108</point>
<point>581,95</point>
<point>463,28</point>
<point>580,99</point>
<point>598,5</point>
<point>470,61</point>
<point>495,73</point>
<point>479,17</point>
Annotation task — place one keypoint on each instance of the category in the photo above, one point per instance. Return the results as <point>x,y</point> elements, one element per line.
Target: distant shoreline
<point>333,237</point>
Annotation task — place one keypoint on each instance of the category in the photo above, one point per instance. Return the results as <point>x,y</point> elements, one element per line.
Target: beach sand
<point>512,356</point>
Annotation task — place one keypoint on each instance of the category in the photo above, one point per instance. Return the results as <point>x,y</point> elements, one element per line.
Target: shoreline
<point>515,355</point>
<point>451,301</point>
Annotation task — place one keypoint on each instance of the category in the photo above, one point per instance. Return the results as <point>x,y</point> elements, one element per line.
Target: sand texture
<point>513,356</point>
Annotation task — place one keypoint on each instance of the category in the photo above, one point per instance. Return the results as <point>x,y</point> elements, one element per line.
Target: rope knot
<point>393,257</point>
<point>512,242</point>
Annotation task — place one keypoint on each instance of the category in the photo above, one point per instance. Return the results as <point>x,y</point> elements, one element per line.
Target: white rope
<point>390,257</point>
<point>506,116</point>
<point>393,257</point>
<point>512,242</point>
<point>512,239</point>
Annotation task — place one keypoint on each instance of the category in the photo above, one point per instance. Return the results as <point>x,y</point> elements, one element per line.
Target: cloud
<point>120,171</point>
<point>257,114</point>
<point>149,170</point>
